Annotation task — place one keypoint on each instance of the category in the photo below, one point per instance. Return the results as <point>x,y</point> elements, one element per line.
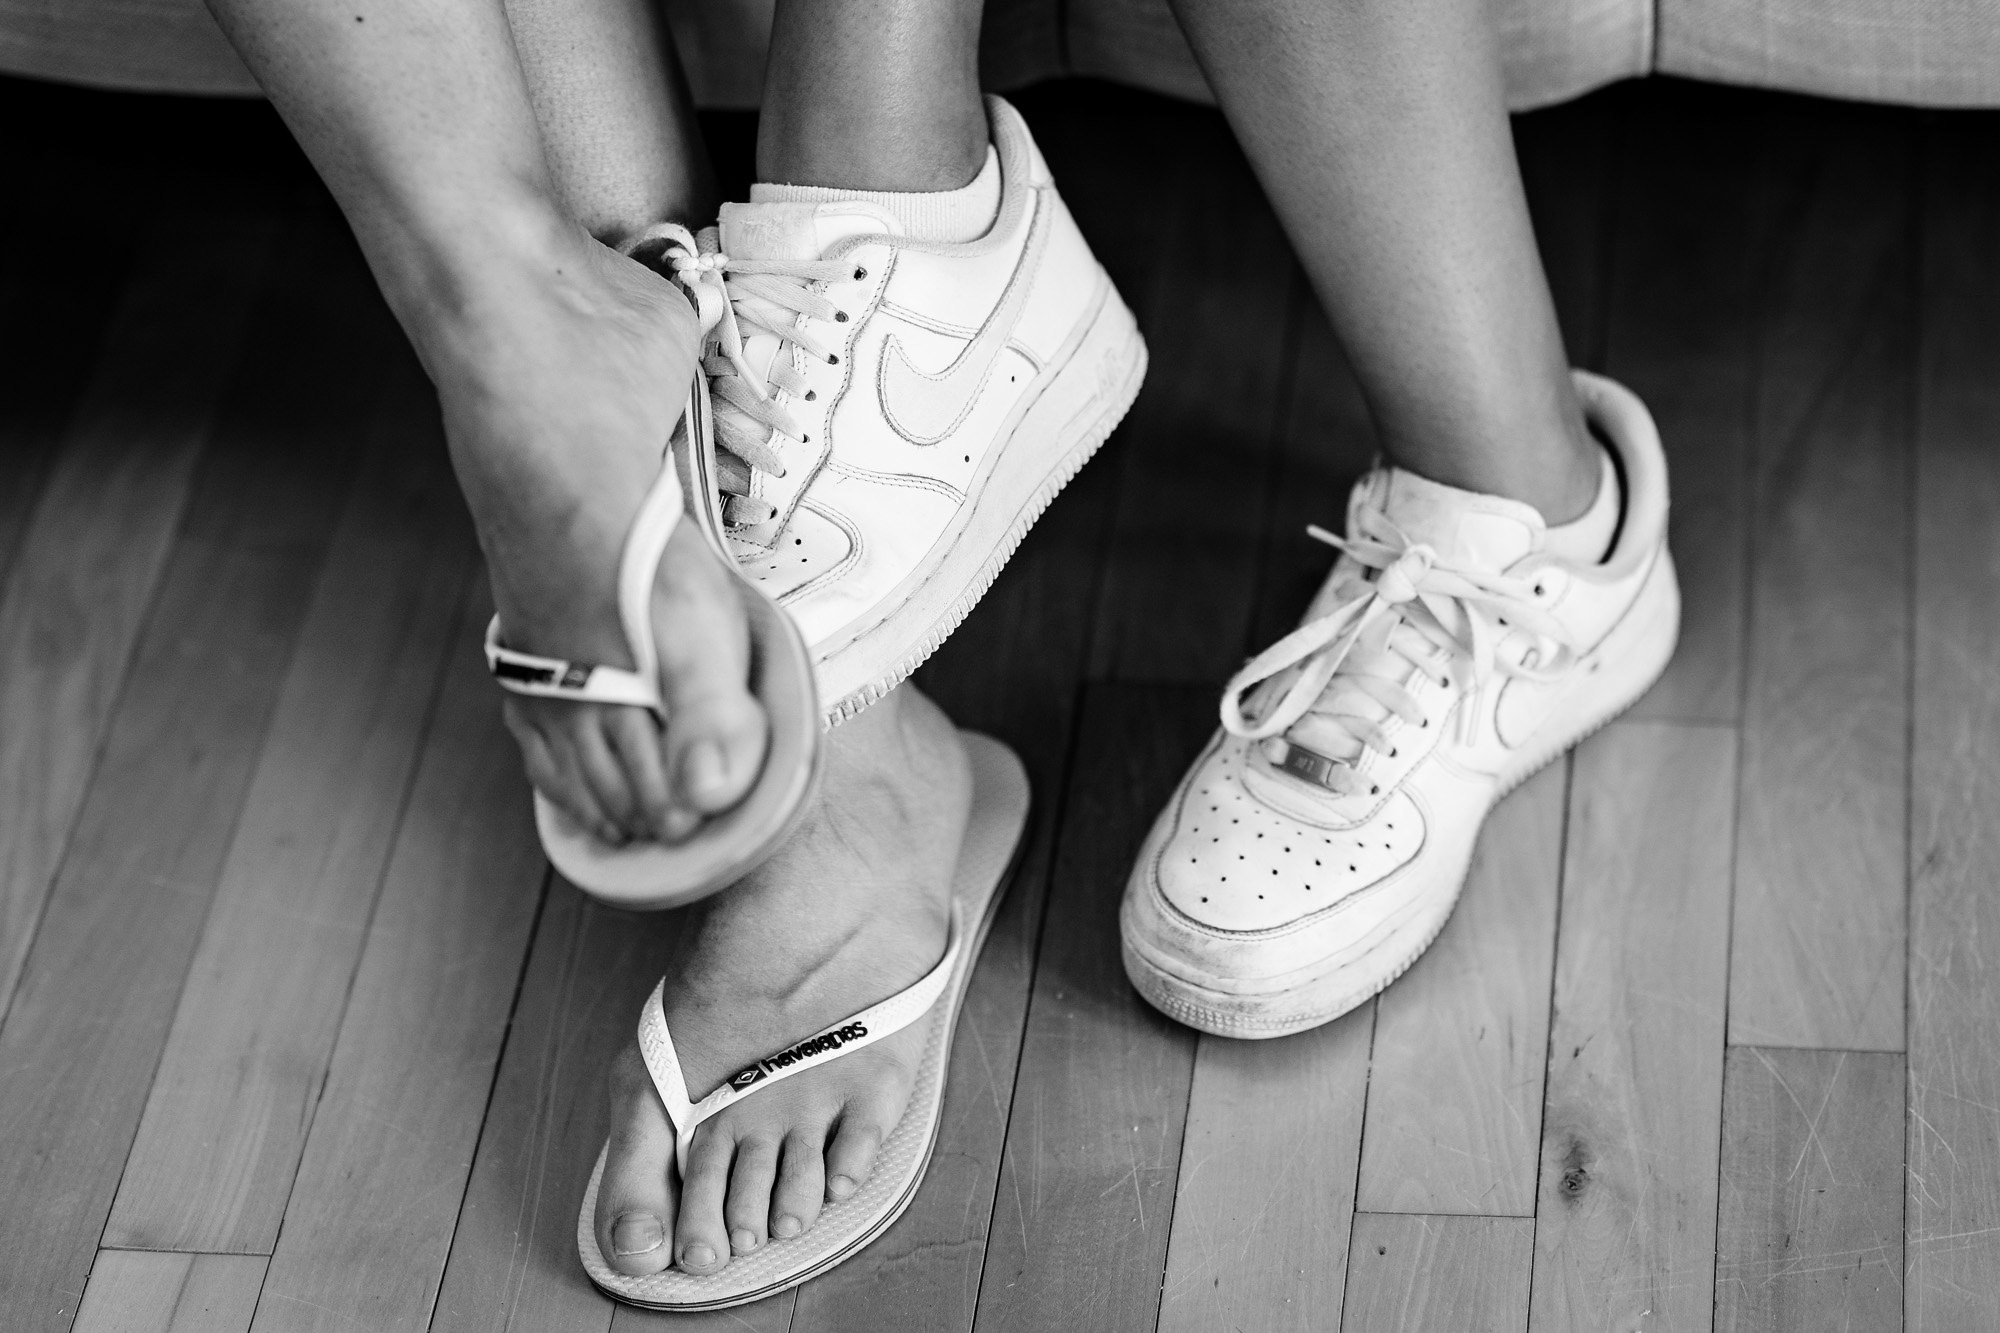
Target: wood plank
<point>513,1261</point>
<point>1417,1273</point>
<point>1821,828</point>
<point>1953,1198</point>
<point>772,1315</point>
<point>1266,1191</point>
<point>1190,512</point>
<point>97,994</point>
<point>1625,1236</point>
<point>1810,1229</point>
<point>383,1174</point>
<point>133,1291</point>
<point>1079,1236</point>
<point>219,1144</point>
<point>1462,1040</point>
<point>1683,294</point>
<point>55,317</point>
<point>91,552</point>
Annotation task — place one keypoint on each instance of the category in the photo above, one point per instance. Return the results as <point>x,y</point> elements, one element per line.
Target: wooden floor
<point>299,1035</point>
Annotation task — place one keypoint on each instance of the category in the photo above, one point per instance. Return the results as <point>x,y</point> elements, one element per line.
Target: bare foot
<point>562,375</point>
<point>854,909</point>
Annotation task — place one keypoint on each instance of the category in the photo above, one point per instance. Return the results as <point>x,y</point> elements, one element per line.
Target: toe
<point>801,1188</point>
<point>851,1155</point>
<point>635,1203</point>
<point>636,741</point>
<point>602,772</point>
<point>552,768</point>
<point>747,1209</point>
<point>701,1239</point>
<point>716,732</point>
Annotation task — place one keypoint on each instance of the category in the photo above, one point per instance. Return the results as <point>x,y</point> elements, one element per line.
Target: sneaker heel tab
<point>1621,421</point>
<point>1020,158</point>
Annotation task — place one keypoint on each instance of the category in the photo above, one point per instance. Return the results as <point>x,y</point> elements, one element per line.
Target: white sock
<point>1587,540</point>
<point>942,216</point>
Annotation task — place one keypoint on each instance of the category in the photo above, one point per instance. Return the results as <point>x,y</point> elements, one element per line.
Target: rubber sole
<point>1347,981</point>
<point>1079,403</point>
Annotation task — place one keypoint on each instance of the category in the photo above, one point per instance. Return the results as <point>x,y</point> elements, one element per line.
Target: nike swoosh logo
<point>926,408</point>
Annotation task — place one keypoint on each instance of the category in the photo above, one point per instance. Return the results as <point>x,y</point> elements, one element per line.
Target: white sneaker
<point>904,410</point>
<point>1318,845</point>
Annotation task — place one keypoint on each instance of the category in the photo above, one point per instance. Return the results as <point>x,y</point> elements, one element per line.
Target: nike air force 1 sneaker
<point>1319,843</point>
<point>896,413</point>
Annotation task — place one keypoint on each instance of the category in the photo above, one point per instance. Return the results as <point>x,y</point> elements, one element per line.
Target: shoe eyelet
<point>840,316</point>
<point>1374,791</point>
<point>861,275</point>
<point>812,395</point>
<point>832,360</point>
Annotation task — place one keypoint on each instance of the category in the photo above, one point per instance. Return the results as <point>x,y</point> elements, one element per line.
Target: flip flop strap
<point>869,1026</point>
<point>584,682</point>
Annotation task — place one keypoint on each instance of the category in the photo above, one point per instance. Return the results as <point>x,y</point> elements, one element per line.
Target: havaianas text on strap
<point>826,1043</point>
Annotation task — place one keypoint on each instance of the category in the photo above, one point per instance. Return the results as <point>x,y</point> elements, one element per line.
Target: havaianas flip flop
<point>993,838</point>
<point>729,845</point>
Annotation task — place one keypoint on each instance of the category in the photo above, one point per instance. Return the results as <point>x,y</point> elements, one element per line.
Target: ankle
<point>944,153</point>
<point>1553,462</point>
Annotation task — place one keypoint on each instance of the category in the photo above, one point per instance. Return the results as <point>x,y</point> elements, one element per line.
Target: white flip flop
<point>993,839</point>
<point>727,846</point>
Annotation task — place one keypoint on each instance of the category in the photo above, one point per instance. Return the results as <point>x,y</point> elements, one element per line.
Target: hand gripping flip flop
<point>729,845</point>
<point>985,864</point>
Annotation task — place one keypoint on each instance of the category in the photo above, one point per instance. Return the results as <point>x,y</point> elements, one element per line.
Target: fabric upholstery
<point>1931,52</point>
<point>1938,52</point>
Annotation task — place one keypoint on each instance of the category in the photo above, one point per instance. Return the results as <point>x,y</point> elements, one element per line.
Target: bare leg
<point>561,366</point>
<point>873,95</point>
<point>614,114</point>
<point>861,94</point>
<point>1379,130</point>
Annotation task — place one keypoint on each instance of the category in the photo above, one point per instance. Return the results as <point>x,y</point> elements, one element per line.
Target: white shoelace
<point>764,296</point>
<point>1350,664</point>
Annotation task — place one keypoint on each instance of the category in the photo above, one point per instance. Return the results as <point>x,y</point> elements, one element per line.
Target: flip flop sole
<point>986,861</point>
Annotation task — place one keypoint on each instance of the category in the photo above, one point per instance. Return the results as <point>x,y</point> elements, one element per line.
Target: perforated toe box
<point>1233,863</point>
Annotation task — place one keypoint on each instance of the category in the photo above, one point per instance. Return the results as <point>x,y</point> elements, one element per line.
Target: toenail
<point>706,772</point>
<point>697,1256</point>
<point>637,1233</point>
<point>742,1240</point>
<point>840,1187</point>
<point>786,1227</point>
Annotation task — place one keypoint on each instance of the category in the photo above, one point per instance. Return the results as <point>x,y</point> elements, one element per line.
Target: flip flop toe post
<point>985,865</point>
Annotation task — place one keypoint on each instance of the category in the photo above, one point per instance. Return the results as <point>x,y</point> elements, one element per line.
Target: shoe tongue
<point>1465,528</point>
<point>800,231</point>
